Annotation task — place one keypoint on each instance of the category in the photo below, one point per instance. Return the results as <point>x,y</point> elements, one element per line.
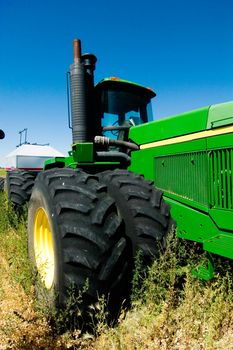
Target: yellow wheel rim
<point>43,248</point>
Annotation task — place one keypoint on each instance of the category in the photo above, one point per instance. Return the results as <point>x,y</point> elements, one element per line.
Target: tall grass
<point>2,172</point>
<point>21,327</point>
<point>170,308</point>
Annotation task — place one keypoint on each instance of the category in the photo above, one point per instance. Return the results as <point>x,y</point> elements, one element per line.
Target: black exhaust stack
<point>82,95</point>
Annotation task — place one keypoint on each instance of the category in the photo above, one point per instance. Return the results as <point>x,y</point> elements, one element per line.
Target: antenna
<point>21,133</point>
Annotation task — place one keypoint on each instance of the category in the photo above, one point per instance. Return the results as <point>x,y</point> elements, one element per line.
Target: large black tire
<point>18,186</point>
<point>2,180</point>
<point>86,242</point>
<point>144,212</point>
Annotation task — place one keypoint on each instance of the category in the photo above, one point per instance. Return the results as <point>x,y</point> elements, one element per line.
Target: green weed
<point>170,308</point>
<point>14,244</point>
<point>2,172</point>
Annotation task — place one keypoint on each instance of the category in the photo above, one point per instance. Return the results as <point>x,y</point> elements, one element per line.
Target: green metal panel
<point>166,128</point>
<point>222,218</point>
<point>81,156</point>
<point>191,223</point>
<point>221,244</point>
<point>184,175</point>
<point>83,152</point>
<point>143,161</point>
<point>220,141</point>
<point>197,226</point>
<point>220,114</point>
<point>195,175</point>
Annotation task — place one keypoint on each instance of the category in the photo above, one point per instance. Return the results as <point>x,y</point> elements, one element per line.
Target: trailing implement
<point>23,165</point>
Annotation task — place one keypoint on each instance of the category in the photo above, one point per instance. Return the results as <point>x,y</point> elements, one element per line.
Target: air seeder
<point>91,212</point>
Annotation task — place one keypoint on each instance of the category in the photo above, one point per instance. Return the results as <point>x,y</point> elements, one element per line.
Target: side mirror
<point>2,134</point>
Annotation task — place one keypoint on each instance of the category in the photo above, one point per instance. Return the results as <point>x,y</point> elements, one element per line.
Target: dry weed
<point>172,310</point>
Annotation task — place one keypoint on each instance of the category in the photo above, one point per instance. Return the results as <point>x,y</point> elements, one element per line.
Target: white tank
<point>30,157</point>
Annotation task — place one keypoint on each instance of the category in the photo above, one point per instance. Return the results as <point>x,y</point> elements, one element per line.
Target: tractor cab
<point>122,104</point>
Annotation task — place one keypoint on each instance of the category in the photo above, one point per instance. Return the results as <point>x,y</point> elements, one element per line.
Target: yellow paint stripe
<point>190,137</point>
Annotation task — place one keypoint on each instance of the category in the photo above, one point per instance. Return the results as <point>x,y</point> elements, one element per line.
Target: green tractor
<point>88,216</point>
<point>125,182</point>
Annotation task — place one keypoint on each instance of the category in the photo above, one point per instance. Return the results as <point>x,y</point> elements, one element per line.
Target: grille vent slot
<point>221,178</point>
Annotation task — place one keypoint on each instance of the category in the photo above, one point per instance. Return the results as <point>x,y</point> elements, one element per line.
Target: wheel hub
<point>43,248</point>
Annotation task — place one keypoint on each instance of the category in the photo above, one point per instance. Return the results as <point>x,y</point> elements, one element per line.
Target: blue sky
<point>182,49</point>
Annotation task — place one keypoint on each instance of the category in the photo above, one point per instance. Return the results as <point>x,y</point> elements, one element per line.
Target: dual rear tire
<point>75,238</point>
<point>84,232</point>
<point>145,214</point>
<point>18,186</point>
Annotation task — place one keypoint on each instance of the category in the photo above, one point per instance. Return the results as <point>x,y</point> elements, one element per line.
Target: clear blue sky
<point>182,48</point>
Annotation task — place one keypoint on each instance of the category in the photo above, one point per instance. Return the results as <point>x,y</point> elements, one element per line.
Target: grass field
<point>2,172</point>
<point>171,309</point>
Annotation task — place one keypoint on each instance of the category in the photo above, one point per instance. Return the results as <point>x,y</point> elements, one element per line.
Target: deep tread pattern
<point>82,231</point>
<point>87,232</point>
<point>101,209</point>
<point>144,212</point>
<point>115,256</point>
<point>2,181</point>
<point>19,186</point>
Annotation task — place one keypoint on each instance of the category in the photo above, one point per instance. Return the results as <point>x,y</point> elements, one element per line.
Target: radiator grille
<point>221,178</point>
<point>184,175</point>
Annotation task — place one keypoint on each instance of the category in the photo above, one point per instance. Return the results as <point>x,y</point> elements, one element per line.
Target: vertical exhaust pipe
<point>82,95</point>
<point>77,50</point>
<point>78,96</point>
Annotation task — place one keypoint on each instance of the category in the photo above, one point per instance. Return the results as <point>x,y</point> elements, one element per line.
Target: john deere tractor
<point>88,215</point>
<point>125,181</point>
